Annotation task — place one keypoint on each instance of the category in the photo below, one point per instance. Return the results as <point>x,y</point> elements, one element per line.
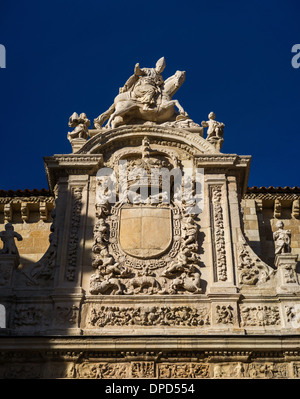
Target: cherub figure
<point>8,237</point>
<point>214,131</point>
<point>81,124</point>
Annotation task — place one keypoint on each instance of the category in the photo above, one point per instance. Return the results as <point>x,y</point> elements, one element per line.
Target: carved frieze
<point>260,316</point>
<point>31,315</point>
<point>250,370</point>
<point>142,369</point>
<point>185,316</point>
<point>103,370</point>
<point>183,370</point>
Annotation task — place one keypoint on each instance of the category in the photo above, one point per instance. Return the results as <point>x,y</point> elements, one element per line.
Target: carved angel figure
<point>8,237</point>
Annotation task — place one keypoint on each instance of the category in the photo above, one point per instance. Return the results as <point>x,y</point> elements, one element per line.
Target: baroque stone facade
<point>126,275</point>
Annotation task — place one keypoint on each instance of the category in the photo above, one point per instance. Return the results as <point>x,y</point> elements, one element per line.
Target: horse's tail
<point>98,122</point>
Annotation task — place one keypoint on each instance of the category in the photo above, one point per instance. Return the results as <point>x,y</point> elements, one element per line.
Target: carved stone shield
<point>145,232</point>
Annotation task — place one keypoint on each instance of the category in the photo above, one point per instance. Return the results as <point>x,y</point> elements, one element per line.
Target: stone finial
<point>214,131</point>
<point>282,239</point>
<point>8,237</point>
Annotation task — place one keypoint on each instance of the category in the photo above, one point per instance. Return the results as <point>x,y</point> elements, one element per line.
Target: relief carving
<point>102,370</point>
<point>260,316</point>
<point>183,370</point>
<point>224,314</point>
<point>219,234</point>
<point>252,370</point>
<point>148,316</point>
<point>252,271</point>
<point>72,254</point>
<point>30,316</point>
<point>142,369</point>
<point>66,315</point>
<point>144,262</point>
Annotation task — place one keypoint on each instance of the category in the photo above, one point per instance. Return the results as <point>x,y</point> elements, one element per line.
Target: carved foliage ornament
<point>73,242</point>
<point>148,316</point>
<point>219,233</point>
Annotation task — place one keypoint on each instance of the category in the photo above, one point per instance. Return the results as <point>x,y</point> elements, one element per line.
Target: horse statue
<point>125,108</point>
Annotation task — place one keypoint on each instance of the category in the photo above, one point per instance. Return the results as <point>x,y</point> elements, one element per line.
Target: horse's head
<point>172,84</point>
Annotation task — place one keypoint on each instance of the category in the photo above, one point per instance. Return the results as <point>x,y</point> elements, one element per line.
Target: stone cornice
<point>63,165</point>
<point>197,343</point>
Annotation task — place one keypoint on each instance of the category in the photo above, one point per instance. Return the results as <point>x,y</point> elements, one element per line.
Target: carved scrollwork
<point>251,269</point>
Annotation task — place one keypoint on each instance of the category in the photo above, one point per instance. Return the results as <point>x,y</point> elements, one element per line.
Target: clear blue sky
<point>65,56</point>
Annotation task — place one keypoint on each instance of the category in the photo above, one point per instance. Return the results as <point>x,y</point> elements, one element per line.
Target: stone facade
<point>108,285</point>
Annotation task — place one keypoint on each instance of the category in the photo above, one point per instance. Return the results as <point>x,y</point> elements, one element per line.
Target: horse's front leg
<point>181,110</point>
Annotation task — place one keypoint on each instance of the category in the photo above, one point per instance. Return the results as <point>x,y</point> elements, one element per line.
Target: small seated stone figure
<point>8,237</point>
<point>282,239</point>
<point>214,131</point>
<point>81,124</point>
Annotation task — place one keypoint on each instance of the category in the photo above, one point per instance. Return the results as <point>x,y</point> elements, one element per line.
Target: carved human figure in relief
<point>145,84</point>
<point>214,131</point>
<point>81,124</point>
<point>8,237</point>
<point>282,239</point>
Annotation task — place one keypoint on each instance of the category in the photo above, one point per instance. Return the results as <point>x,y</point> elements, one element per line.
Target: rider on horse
<point>145,84</point>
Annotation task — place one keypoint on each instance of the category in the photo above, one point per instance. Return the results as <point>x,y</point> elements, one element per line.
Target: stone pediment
<point>127,134</point>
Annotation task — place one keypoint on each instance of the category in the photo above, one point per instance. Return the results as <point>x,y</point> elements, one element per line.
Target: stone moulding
<point>104,136</point>
<point>268,357</point>
<point>64,165</point>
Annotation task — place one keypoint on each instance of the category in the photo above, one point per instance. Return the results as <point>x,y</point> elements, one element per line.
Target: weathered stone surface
<point>134,283</point>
